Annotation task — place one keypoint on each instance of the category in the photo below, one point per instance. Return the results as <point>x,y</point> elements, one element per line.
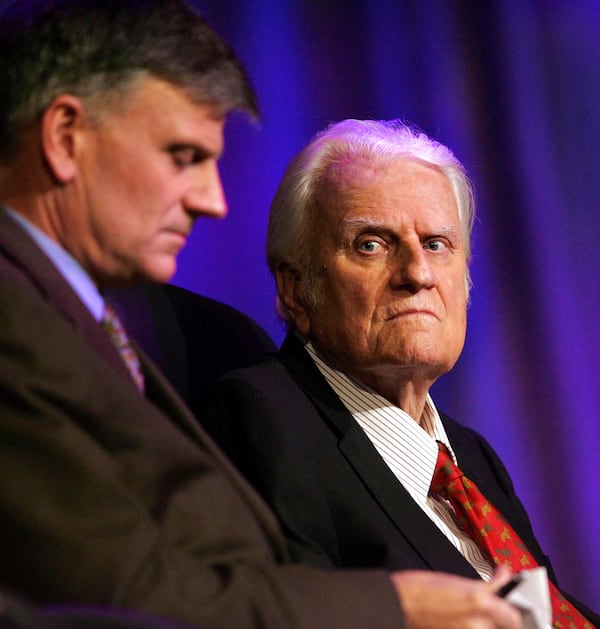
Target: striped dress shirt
<point>408,448</point>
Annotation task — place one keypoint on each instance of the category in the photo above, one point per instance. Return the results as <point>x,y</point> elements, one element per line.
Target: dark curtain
<point>513,88</point>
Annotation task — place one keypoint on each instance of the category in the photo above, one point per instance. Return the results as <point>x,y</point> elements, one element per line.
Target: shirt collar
<point>410,449</point>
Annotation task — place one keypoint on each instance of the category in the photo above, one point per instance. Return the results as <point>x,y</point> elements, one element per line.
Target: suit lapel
<point>31,266</point>
<point>161,393</point>
<point>410,520</point>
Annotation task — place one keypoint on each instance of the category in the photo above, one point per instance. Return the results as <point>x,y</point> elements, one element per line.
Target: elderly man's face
<point>145,174</point>
<point>390,272</point>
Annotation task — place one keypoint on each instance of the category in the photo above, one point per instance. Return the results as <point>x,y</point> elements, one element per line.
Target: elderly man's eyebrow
<point>365,222</point>
<point>360,222</point>
<point>449,232</point>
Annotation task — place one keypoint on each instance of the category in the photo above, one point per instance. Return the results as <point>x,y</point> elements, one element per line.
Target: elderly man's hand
<point>432,600</point>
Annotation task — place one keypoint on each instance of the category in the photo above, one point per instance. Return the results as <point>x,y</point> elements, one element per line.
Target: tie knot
<point>445,472</point>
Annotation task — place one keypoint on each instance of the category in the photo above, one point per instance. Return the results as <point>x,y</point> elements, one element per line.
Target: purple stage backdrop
<point>514,88</point>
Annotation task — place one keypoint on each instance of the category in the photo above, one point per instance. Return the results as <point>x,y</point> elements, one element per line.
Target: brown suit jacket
<point>109,497</point>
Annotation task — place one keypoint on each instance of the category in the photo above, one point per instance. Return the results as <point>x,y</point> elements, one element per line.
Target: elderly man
<point>111,125</point>
<point>369,244</point>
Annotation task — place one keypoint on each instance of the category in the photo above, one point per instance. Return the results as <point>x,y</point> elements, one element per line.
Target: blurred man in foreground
<point>111,125</point>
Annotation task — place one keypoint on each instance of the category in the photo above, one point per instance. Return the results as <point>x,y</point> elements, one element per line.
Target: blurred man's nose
<point>205,195</point>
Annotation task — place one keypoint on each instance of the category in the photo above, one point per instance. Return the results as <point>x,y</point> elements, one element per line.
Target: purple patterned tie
<point>112,324</point>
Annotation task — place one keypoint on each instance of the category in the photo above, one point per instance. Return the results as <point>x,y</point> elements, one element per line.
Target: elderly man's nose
<point>413,268</point>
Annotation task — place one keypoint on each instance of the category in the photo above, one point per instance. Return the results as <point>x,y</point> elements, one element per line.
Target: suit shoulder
<point>459,432</point>
<point>224,320</point>
<point>268,372</point>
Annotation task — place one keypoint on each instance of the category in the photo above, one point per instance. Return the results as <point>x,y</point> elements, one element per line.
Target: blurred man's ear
<point>61,122</point>
<point>291,289</point>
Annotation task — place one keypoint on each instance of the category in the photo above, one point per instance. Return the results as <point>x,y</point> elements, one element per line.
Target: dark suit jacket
<point>108,497</point>
<point>192,338</point>
<point>338,502</point>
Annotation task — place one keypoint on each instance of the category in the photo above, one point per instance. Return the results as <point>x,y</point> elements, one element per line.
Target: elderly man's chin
<point>420,350</point>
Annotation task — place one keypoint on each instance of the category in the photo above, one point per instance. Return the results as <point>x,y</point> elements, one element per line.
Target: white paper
<point>532,597</point>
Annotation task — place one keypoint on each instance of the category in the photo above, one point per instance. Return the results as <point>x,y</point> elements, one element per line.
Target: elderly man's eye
<point>369,246</point>
<point>435,245</point>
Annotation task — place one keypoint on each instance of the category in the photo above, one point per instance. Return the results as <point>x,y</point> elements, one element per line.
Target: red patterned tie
<point>492,533</point>
<point>112,324</point>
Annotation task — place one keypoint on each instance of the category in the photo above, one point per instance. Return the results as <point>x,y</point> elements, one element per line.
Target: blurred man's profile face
<point>147,172</point>
<point>391,266</point>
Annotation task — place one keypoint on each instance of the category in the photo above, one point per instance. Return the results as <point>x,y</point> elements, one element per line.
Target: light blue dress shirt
<point>66,265</point>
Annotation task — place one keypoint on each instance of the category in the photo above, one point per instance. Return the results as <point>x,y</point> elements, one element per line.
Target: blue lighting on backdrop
<point>513,87</point>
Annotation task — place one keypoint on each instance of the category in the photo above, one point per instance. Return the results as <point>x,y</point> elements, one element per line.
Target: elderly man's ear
<point>62,122</point>
<point>290,288</point>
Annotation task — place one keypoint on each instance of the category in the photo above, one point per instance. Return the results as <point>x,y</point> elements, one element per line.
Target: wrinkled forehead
<point>349,171</point>
<point>356,181</point>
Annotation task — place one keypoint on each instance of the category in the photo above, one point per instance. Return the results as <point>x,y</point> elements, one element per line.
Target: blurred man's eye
<point>184,156</point>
